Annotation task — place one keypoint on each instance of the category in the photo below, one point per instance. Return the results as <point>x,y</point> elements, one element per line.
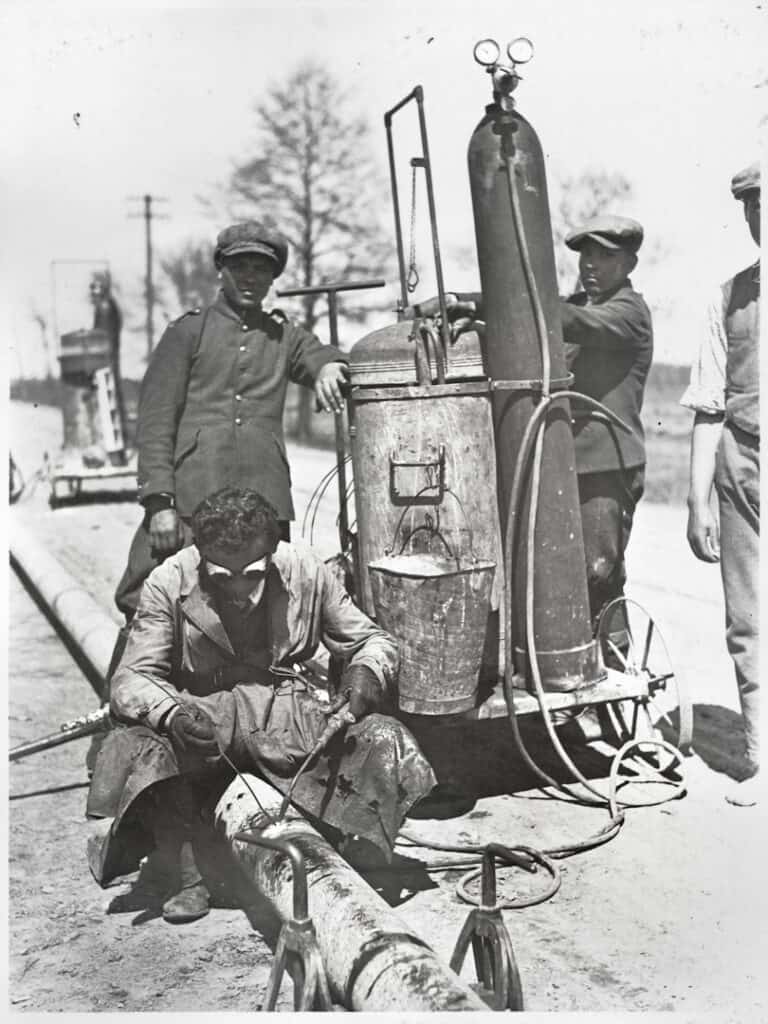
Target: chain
<point>413,274</point>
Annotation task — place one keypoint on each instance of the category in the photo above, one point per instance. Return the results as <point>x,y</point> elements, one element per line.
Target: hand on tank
<point>455,308</point>
<point>328,386</point>
<point>704,533</point>
<point>165,532</point>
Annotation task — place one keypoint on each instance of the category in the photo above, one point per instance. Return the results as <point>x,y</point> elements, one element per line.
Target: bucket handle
<point>433,528</point>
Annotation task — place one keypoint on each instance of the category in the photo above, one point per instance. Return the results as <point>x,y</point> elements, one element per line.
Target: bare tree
<point>312,176</point>
<point>192,275</point>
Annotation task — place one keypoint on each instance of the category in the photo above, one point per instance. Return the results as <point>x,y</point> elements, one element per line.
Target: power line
<point>149,289</point>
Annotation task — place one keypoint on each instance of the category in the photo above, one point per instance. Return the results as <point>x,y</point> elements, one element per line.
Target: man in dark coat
<point>609,347</point>
<point>211,404</point>
<point>209,680</point>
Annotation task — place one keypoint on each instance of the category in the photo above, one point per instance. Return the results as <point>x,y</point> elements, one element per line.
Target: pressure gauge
<point>520,50</point>
<point>486,52</point>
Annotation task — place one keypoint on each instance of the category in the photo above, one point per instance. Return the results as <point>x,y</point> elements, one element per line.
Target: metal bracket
<point>495,966</point>
<point>535,384</point>
<point>417,499</point>
<point>297,947</point>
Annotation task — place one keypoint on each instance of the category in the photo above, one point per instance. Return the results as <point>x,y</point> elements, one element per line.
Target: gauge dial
<point>486,52</point>
<point>520,50</point>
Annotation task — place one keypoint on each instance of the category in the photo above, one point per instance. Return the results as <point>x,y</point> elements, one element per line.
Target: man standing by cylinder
<point>609,348</point>
<point>724,392</point>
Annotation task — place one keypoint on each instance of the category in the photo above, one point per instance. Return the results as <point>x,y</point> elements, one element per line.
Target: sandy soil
<point>668,916</point>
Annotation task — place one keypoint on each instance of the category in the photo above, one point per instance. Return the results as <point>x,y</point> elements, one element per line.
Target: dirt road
<point>668,916</point>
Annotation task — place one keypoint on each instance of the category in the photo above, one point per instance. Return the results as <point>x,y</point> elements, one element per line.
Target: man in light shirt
<point>724,392</point>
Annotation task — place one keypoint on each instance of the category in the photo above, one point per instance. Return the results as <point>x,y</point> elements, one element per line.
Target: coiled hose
<point>531,452</point>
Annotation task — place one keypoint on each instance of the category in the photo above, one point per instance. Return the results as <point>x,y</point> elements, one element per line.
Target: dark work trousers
<point>142,559</point>
<point>608,501</point>
<point>737,481</point>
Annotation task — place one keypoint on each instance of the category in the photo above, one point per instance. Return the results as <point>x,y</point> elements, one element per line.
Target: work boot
<point>748,790</point>
<point>192,900</point>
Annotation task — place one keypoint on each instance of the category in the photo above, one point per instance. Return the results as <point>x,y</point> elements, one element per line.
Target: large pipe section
<point>372,959</point>
<point>525,357</point>
<point>85,628</point>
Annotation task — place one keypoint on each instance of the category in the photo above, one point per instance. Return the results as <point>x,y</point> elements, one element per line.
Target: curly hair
<point>232,517</point>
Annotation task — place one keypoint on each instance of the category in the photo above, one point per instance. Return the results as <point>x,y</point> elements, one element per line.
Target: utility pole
<point>149,288</point>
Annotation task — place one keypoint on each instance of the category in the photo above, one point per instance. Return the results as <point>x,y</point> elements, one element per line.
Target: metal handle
<point>418,499</point>
<point>296,857</point>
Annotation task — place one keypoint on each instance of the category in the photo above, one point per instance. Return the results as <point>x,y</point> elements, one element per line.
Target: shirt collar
<point>223,306</point>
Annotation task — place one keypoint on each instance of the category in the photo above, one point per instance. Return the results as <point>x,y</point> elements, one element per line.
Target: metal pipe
<point>86,630</point>
<point>331,291</point>
<point>444,336</point>
<point>372,959</point>
<point>417,93</point>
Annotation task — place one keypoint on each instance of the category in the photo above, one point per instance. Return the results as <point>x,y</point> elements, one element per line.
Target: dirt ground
<point>669,916</point>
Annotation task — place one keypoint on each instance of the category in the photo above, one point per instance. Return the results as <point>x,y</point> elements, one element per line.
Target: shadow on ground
<point>718,739</point>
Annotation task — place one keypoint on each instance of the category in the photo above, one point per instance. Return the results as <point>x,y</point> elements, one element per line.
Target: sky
<point>107,104</point>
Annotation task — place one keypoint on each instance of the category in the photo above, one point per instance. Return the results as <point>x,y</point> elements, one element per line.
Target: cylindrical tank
<point>566,652</point>
<point>423,461</point>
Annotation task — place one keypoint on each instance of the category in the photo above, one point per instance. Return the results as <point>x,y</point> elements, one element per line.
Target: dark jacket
<point>609,348</point>
<point>211,405</point>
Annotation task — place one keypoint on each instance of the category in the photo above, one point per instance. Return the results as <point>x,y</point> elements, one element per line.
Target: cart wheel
<point>631,642</point>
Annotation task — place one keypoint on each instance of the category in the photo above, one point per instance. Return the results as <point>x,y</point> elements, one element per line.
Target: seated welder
<point>209,682</point>
<point>609,347</point>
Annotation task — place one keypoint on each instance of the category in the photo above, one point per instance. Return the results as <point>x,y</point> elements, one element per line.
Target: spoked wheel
<point>631,642</point>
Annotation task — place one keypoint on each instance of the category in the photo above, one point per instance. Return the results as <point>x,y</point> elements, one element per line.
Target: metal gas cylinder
<point>522,337</point>
<point>423,459</point>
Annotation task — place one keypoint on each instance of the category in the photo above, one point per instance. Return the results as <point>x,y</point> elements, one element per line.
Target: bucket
<point>438,612</point>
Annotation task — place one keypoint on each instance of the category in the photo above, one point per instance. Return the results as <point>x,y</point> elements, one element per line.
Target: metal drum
<point>423,459</point>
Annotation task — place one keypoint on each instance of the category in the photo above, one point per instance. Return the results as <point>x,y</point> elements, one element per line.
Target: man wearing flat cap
<point>724,392</point>
<point>609,346</point>
<point>211,404</point>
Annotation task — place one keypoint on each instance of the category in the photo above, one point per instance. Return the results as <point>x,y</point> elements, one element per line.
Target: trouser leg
<point>738,487</point>
<point>608,501</point>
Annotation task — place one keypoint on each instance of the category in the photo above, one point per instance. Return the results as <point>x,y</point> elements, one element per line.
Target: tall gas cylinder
<point>504,146</point>
<point>425,473</point>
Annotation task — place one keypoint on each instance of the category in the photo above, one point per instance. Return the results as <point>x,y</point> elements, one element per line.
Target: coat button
<point>238,398</point>
<point>238,421</point>
<point>244,327</point>
<point>242,348</point>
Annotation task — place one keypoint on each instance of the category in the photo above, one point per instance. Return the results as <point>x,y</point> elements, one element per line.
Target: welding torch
<point>339,720</point>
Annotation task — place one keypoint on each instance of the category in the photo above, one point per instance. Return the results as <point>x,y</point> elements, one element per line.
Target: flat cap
<point>609,231</point>
<point>746,181</point>
<point>250,236</point>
